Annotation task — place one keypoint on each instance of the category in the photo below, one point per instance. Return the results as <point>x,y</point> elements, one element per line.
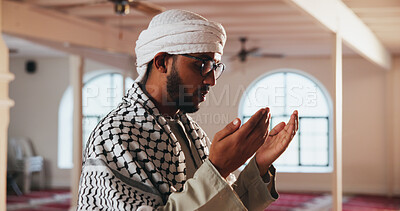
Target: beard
<point>178,95</point>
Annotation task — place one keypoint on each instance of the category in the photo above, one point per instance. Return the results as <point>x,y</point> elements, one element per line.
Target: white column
<point>5,104</point>
<point>392,118</point>
<point>76,70</point>
<point>389,118</point>
<point>337,122</point>
<point>396,126</point>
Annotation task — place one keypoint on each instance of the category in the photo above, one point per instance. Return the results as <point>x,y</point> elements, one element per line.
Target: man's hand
<point>232,146</point>
<point>276,143</point>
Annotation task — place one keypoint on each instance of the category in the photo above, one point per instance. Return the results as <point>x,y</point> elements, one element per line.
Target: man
<point>149,154</point>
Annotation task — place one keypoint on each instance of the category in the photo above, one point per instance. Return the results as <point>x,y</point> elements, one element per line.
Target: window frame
<point>299,168</point>
<point>65,116</point>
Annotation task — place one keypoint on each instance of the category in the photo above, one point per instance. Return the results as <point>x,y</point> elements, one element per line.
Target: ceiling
<point>382,17</point>
<point>273,25</point>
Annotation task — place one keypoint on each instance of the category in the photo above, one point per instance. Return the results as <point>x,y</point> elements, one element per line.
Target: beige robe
<point>248,192</point>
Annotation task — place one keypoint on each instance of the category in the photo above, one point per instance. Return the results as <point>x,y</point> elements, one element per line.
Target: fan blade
<point>253,50</point>
<point>12,51</point>
<point>271,55</point>
<point>71,6</point>
<point>146,7</point>
<point>233,58</point>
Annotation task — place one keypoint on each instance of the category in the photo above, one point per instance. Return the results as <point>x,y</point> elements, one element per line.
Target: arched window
<point>100,94</point>
<point>283,92</point>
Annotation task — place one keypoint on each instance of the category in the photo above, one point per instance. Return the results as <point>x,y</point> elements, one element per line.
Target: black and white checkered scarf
<point>133,159</point>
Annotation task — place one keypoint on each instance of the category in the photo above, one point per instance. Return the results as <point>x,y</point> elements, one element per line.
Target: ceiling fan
<point>255,52</point>
<point>122,7</point>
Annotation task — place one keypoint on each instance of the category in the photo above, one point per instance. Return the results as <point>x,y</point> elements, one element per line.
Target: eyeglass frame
<point>214,65</point>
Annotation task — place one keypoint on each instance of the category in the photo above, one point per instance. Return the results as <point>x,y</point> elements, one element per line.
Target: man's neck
<point>155,94</point>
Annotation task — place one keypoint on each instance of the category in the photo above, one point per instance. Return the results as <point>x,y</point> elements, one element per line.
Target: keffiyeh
<point>177,32</point>
<point>132,158</point>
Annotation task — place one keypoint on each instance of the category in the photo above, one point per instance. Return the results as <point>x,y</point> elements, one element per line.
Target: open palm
<point>277,142</point>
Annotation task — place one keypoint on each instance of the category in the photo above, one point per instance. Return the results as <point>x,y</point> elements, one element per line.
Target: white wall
<point>35,114</point>
<point>364,144</point>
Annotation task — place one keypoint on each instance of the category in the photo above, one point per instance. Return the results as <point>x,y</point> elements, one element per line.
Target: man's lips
<point>202,95</point>
<point>202,92</point>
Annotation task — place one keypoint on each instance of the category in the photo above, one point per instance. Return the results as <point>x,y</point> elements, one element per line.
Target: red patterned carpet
<point>59,200</point>
<point>47,200</point>
<point>372,203</point>
<point>322,202</point>
<point>289,201</point>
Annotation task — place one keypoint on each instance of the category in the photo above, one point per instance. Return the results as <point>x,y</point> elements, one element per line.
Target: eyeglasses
<point>208,65</point>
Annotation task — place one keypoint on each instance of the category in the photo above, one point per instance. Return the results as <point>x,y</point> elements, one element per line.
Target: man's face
<point>186,87</point>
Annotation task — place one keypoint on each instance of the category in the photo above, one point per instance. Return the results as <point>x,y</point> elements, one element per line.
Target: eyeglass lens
<point>209,65</point>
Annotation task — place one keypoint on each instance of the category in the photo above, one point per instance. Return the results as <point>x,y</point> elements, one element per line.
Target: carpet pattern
<point>46,200</point>
<point>323,202</point>
<point>372,203</point>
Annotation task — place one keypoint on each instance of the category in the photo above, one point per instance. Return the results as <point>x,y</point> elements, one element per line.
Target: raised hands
<point>234,145</point>
<point>277,142</point>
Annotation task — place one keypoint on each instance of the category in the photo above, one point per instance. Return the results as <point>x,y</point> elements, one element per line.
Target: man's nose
<point>210,79</point>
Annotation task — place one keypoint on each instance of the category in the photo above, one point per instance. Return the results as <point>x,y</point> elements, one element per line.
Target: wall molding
<point>6,103</point>
<point>7,77</point>
<point>378,189</point>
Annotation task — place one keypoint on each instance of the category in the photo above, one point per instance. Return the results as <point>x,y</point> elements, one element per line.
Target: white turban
<point>177,32</point>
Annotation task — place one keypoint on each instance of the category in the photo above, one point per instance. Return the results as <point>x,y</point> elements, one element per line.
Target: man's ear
<point>160,62</point>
